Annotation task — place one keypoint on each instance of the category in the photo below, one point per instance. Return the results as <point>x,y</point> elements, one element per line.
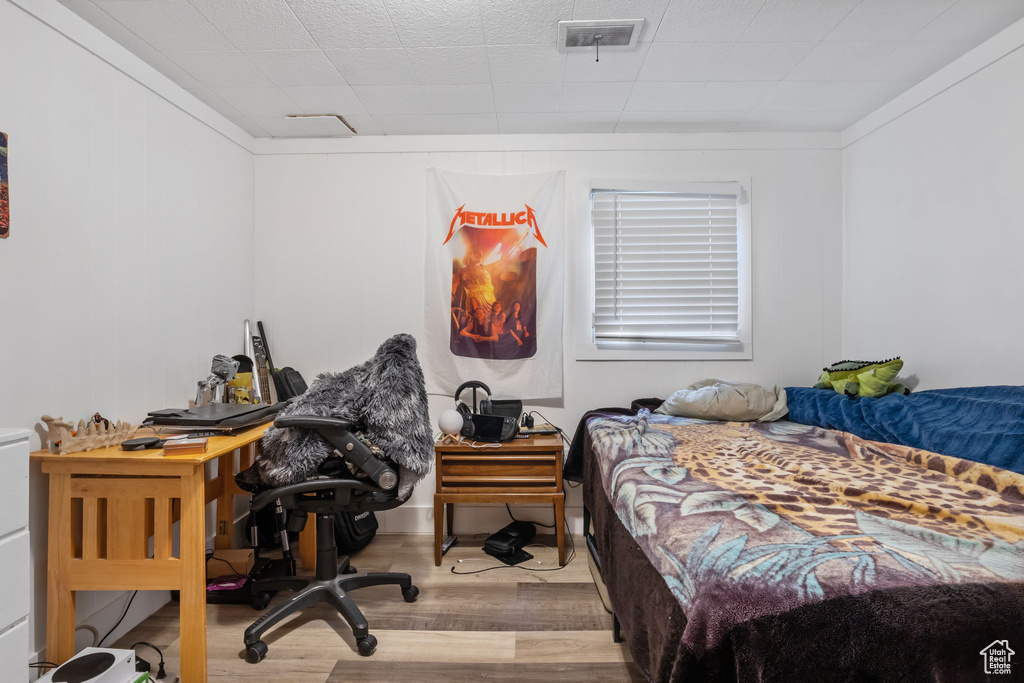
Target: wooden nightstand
<point>520,471</point>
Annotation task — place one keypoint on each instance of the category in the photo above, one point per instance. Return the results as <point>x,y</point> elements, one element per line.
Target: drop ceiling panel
<point>304,128</point>
<point>296,68</point>
<point>450,65</point>
<point>374,66</point>
<point>331,99</point>
<point>256,24</point>
<point>469,66</point>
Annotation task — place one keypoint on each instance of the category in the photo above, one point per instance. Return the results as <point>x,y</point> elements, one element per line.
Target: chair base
<point>333,591</point>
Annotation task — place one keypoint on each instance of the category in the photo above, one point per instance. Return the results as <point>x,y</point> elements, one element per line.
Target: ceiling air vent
<point>608,33</point>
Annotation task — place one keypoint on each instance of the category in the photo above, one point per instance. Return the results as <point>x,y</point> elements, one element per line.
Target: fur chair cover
<point>385,396</point>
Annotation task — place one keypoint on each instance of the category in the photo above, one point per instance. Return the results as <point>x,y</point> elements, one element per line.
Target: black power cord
<point>140,662</point>
<point>123,615</point>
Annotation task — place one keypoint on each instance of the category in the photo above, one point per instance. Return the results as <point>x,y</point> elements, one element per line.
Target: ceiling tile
<point>761,61</point>
<point>246,124</point>
<point>256,24</point>
<point>450,65</point>
<point>707,21</point>
<point>525,64</point>
<point>259,102</point>
<point>523,21</point>
<point>651,10</point>
<point>595,96</point>
<point>731,96</point>
<point>678,122</point>
<point>107,24</point>
<point>436,24</point>
<point>966,21</point>
<point>386,66</point>
<point>868,95</point>
<point>215,101</point>
<point>392,99</point>
<point>683,61</point>
<point>163,64</point>
<point>518,122</point>
<point>802,95</point>
<point>346,25</point>
<point>439,124</point>
<point>304,128</point>
<point>587,122</point>
<point>295,68</point>
<point>331,99</point>
<point>220,69</point>
<point>797,20</point>
<point>167,24</point>
<point>615,65</point>
<point>798,121</point>
<point>831,61</point>
<point>364,125</point>
<point>459,99</point>
<point>664,96</point>
<point>888,20</point>
<point>913,61</point>
<point>527,97</point>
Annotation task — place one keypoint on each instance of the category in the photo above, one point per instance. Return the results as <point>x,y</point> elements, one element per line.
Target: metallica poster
<point>495,264</point>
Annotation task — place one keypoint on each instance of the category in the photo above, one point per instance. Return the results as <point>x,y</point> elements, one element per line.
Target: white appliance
<point>98,665</point>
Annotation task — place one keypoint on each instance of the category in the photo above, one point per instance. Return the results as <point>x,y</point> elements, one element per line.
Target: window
<point>670,270</point>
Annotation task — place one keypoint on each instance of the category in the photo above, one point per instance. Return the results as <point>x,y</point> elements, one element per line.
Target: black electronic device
<point>487,420</point>
<point>510,539</point>
<point>216,416</point>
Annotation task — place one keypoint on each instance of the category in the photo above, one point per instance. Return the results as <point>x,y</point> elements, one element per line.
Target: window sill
<point>619,352</point>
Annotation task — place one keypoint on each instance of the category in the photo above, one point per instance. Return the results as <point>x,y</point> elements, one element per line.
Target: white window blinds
<point>666,265</point>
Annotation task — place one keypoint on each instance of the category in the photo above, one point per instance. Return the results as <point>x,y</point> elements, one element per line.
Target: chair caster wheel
<point>367,645</point>
<point>260,601</point>
<point>350,570</point>
<point>256,652</point>
<point>411,593</point>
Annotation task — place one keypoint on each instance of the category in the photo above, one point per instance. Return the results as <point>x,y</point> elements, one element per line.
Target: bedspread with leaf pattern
<point>745,520</point>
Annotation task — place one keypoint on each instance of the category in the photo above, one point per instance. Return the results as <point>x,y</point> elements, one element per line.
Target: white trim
<point>582,245</point>
<point>991,51</point>
<point>91,39</point>
<point>561,142</point>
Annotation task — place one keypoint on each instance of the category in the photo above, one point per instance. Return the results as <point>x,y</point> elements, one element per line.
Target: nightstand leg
<point>438,527</point>
<point>450,511</point>
<point>560,526</point>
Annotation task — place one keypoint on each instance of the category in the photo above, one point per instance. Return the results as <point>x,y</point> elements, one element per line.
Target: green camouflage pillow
<point>863,378</point>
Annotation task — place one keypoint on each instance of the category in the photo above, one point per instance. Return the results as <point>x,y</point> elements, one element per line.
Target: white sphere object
<point>450,422</point>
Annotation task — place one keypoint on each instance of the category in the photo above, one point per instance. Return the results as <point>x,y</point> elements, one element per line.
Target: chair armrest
<point>338,432</point>
<point>314,422</point>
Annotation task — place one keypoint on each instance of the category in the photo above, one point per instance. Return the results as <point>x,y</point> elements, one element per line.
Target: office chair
<point>334,577</point>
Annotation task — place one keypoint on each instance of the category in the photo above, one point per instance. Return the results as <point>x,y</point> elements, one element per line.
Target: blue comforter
<point>985,424</point>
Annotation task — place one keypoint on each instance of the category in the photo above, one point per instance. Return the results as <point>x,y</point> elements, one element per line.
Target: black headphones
<point>483,408</point>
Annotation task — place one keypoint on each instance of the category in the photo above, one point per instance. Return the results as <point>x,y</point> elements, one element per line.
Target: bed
<point>788,552</point>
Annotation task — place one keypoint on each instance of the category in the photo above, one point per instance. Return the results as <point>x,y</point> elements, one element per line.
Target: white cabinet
<point>14,555</point>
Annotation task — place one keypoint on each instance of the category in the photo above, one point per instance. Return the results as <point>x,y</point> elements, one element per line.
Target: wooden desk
<point>114,501</point>
<point>520,471</point>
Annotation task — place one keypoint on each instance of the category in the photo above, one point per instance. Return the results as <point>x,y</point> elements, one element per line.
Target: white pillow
<point>716,399</point>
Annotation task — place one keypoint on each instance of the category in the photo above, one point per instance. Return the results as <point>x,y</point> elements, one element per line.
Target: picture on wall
<point>494,281</point>
<point>5,205</point>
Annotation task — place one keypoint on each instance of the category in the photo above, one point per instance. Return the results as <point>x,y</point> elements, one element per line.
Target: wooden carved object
<point>64,438</point>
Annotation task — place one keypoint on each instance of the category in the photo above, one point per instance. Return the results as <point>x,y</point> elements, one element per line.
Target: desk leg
<point>560,526</point>
<point>438,527</point>
<point>60,600</point>
<point>193,576</point>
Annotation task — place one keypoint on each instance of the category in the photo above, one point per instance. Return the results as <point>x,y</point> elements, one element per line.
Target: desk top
<point>215,447</point>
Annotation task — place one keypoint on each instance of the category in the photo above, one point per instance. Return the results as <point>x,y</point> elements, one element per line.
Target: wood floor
<point>505,626</point>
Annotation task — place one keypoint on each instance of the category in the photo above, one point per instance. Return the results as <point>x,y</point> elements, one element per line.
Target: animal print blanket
<point>747,520</point>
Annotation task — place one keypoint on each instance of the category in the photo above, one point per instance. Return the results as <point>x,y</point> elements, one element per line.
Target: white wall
<point>932,225</point>
<point>344,235</point>
<point>129,263</point>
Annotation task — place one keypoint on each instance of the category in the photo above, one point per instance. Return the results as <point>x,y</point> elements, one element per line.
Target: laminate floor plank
<point>502,626</point>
